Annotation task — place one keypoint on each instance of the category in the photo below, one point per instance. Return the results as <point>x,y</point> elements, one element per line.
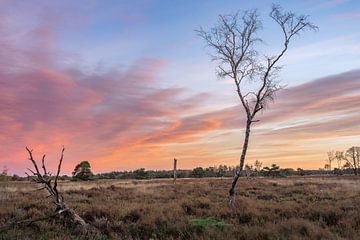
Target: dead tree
<point>50,183</point>
<point>234,40</point>
<point>174,179</point>
<point>257,166</point>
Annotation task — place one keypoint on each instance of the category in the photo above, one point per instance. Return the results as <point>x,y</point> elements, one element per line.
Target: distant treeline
<point>198,172</point>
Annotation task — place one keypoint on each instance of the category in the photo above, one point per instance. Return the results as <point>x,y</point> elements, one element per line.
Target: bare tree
<point>50,183</point>
<point>5,171</point>
<point>248,171</point>
<point>258,165</point>
<point>339,155</point>
<point>330,159</point>
<point>4,174</point>
<point>352,158</point>
<point>234,40</point>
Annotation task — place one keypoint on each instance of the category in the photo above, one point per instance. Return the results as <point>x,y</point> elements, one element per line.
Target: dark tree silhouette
<point>272,171</point>
<point>82,171</point>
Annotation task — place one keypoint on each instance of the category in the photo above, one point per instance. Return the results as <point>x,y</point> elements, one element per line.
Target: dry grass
<point>289,208</point>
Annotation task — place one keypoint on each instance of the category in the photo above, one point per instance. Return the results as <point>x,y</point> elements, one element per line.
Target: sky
<point>129,84</point>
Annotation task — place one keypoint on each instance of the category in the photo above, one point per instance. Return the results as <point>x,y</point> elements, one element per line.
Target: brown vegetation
<point>286,208</point>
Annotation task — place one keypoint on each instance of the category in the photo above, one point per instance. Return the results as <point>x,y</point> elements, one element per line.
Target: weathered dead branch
<point>50,183</point>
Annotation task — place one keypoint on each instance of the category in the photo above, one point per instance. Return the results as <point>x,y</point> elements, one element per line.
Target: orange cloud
<point>44,106</point>
<point>117,123</point>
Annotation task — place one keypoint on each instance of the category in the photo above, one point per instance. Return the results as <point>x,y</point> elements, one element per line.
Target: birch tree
<point>234,40</point>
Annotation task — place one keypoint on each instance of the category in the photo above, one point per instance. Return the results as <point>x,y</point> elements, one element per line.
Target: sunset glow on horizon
<point>128,84</point>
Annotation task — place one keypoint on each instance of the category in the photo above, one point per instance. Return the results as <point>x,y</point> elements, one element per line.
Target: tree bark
<point>355,170</point>
<point>354,161</point>
<point>70,214</point>
<point>75,218</point>
<point>240,169</point>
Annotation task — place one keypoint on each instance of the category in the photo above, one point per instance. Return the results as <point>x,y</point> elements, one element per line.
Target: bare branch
<point>291,25</point>
<point>33,161</point>
<point>27,222</point>
<point>43,164</point>
<point>58,172</point>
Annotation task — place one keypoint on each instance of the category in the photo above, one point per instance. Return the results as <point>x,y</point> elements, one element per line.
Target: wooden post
<point>174,177</point>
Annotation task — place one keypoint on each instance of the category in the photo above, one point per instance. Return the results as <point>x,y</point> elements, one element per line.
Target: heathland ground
<point>321,207</point>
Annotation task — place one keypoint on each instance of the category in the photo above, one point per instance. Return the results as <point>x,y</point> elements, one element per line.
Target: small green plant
<point>201,223</point>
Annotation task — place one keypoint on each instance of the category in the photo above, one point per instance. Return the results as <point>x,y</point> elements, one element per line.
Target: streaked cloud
<point>129,116</point>
<point>44,105</point>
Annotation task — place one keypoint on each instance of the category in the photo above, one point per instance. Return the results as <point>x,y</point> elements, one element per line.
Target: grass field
<point>286,208</point>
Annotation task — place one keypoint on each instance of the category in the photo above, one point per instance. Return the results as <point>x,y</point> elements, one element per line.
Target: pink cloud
<point>121,119</point>
<point>329,95</point>
<point>45,105</point>
<point>347,15</point>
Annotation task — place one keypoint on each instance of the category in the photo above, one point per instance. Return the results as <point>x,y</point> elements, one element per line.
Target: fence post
<point>174,177</point>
